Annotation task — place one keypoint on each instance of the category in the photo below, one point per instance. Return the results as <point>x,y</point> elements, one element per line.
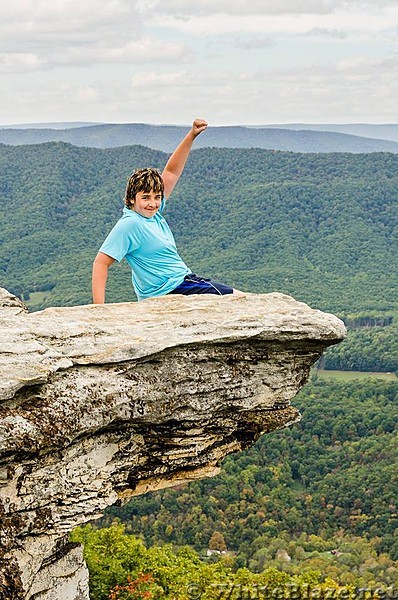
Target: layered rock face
<point>99,403</point>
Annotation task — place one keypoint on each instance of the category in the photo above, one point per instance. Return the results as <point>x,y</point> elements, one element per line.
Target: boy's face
<point>147,204</point>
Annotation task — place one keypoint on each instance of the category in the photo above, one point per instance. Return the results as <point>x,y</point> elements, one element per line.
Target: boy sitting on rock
<point>143,237</point>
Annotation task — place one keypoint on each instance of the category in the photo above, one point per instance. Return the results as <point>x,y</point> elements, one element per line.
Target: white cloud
<point>153,79</point>
<point>148,49</point>
<point>351,90</point>
<point>328,33</point>
<point>371,68</point>
<point>19,62</point>
<point>65,21</point>
<point>87,94</point>
<point>142,50</point>
<point>36,34</point>
<point>145,50</point>
<point>183,8</point>
<point>343,20</point>
<point>357,90</point>
<point>254,41</point>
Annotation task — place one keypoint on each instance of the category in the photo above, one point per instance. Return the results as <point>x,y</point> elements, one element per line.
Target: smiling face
<point>147,204</point>
<point>144,192</point>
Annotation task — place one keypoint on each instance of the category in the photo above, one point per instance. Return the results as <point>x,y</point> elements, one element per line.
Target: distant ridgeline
<point>320,227</point>
<point>295,138</point>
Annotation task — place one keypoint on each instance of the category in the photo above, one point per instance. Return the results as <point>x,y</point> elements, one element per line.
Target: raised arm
<point>176,163</point>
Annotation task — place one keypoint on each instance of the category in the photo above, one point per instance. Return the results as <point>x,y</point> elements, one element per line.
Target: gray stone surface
<point>99,403</point>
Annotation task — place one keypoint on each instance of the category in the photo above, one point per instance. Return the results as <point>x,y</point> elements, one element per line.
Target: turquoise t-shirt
<point>149,248</point>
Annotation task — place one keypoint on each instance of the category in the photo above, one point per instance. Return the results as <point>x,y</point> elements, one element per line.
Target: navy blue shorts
<point>193,284</point>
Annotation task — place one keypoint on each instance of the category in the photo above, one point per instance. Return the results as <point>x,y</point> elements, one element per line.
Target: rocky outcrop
<point>99,403</point>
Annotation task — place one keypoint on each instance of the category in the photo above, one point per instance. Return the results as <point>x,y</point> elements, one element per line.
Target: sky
<point>232,62</point>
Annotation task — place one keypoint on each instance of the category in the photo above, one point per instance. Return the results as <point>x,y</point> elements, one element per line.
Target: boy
<point>143,236</point>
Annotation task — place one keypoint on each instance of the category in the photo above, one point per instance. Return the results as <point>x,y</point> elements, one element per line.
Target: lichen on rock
<point>99,403</point>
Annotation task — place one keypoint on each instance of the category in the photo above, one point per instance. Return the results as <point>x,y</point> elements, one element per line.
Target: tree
<point>142,588</point>
<point>217,542</point>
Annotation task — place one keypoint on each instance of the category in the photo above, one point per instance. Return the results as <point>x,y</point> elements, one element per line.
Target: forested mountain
<point>127,570</point>
<point>165,138</point>
<point>333,476</point>
<point>320,227</point>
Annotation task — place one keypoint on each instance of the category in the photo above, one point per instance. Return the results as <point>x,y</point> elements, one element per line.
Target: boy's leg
<point>199,285</point>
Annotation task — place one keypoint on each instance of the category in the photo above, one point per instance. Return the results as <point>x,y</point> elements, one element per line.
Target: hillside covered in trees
<point>322,228</point>
<point>334,475</point>
<point>311,508</point>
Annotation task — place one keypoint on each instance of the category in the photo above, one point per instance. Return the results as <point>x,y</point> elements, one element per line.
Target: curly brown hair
<point>143,180</point>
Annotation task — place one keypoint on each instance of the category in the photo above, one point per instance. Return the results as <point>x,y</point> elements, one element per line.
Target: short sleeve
<point>120,241</point>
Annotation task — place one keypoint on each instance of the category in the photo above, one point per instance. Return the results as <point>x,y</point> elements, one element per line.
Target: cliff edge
<point>99,403</point>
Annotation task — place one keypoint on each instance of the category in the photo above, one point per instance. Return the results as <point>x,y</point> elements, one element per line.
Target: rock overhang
<point>101,402</point>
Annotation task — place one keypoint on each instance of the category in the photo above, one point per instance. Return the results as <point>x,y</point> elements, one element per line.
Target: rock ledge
<point>99,403</point>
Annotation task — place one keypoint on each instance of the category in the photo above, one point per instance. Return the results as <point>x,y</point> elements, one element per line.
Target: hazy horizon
<point>258,125</point>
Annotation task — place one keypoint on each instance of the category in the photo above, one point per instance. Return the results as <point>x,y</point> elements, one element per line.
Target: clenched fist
<point>198,126</point>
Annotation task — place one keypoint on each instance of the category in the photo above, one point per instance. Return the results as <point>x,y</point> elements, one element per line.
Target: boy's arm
<point>176,163</point>
<point>101,265</point>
